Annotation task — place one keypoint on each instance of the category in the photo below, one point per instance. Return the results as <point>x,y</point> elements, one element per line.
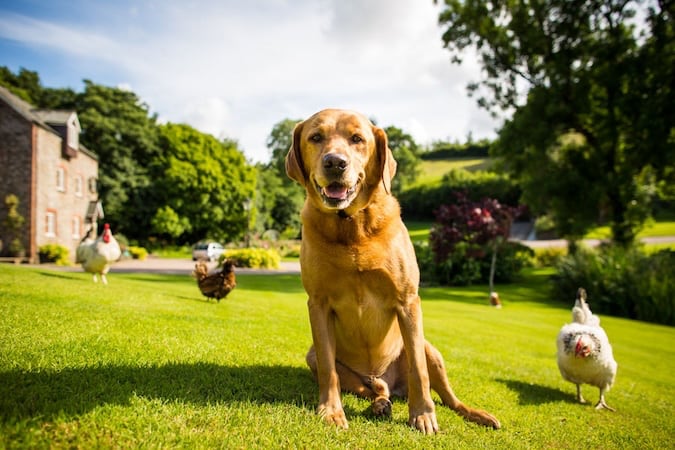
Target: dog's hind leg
<point>439,382</point>
<point>371,387</point>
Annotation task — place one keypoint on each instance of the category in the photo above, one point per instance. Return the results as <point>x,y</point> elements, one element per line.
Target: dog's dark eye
<point>316,137</point>
<point>356,139</point>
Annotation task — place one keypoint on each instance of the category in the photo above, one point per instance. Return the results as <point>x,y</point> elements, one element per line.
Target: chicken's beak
<point>580,350</point>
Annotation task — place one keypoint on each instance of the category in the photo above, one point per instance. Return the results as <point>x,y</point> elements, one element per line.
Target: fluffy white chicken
<point>97,255</point>
<point>584,353</point>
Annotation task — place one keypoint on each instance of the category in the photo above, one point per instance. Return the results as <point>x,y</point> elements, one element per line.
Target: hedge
<point>419,203</point>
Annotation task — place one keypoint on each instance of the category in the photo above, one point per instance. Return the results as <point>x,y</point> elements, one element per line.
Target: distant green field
<point>661,228</point>
<point>431,172</point>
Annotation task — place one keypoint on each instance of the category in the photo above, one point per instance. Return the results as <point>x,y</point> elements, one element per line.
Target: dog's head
<point>341,159</point>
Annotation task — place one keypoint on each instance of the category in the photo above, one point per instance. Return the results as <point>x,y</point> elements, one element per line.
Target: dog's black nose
<point>335,162</point>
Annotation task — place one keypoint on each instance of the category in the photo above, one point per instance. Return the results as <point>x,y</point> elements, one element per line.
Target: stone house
<point>51,173</point>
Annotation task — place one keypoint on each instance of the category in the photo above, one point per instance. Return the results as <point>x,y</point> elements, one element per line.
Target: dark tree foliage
<point>592,90</point>
<point>407,155</point>
<point>118,127</point>
<point>279,142</point>
<point>280,198</point>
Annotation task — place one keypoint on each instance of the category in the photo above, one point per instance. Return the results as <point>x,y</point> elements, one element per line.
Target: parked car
<point>210,251</point>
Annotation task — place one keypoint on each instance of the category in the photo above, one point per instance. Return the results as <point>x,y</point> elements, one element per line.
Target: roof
<point>55,116</point>
<point>41,117</point>
<point>25,109</point>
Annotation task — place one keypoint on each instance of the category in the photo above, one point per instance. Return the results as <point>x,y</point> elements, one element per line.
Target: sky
<point>236,68</point>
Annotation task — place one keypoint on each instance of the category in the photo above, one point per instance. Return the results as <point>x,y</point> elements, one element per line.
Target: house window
<point>50,224</point>
<point>61,179</point>
<point>78,185</point>
<point>77,227</point>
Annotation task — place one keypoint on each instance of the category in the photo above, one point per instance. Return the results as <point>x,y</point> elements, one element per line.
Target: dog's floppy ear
<point>385,158</point>
<point>295,167</point>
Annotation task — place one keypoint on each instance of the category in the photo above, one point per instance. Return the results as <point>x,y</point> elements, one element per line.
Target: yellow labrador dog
<point>361,275</point>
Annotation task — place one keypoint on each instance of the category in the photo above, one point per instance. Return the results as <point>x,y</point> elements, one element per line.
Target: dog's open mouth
<point>337,195</point>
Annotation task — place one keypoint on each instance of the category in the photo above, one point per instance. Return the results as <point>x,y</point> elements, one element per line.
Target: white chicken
<point>97,255</point>
<point>584,353</point>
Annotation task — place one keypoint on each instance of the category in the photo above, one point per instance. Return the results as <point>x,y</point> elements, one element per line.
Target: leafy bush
<point>512,257</point>
<point>425,262</point>
<point>464,239</point>
<point>462,268</point>
<point>445,150</point>
<point>621,282</point>
<point>549,256</point>
<point>419,203</point>
<point>137,252</point>
<point>54,253</point>
<point>290,250</point>
<point>257,258</point>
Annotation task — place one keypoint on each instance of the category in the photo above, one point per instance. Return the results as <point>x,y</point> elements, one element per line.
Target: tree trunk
<point>493,266</point>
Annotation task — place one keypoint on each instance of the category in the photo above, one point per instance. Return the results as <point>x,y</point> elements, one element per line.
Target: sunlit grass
<point>431,172</point>
<point>146,362</point>
<point>651,229</point>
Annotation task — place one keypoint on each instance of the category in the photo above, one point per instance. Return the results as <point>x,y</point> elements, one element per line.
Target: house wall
<point>66,204</point>
<point>30,156</point>
<point>15,169</point>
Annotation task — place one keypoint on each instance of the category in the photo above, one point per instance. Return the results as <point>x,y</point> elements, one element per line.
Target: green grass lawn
<point>419,232</point>
<point>659,228</point>
<point>146,362</point>
<point>431,172</point>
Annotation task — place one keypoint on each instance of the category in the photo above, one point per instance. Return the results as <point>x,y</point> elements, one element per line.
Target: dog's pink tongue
<point>335,191</point>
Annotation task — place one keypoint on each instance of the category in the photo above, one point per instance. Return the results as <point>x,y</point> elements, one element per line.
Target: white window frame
<point>78,182</point>
<point>61,179</point>
<point>76,225</point>
<point>50,224</point>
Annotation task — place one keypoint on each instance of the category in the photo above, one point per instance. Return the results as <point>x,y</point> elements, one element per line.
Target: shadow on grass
<point>156,278</point>
<point>532,286</point>
<point>62,275</point>
<point>534,394</point>
<point>74,391</point>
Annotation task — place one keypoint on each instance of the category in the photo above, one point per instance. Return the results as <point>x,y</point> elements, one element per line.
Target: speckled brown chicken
<point>216,284</point>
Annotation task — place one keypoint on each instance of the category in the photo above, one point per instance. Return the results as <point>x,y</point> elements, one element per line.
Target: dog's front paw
<point>382,407</point>
<point>334,416</point>
<point>488,420</point>
<point>426,422</point>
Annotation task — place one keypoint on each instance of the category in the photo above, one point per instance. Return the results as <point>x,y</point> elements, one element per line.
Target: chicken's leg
<point>601,403</point>
<point>580,397</point>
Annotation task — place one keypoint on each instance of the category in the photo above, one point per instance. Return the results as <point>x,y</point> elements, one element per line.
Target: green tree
<point>407,155</point>
<point>14,224</point>
<point>119,128</point>
<point>592,96</point>
<point>167,223</point>
<point>200,185</point>
<point>280,197</point>
<point>26,84</point>
<point>278,143</point>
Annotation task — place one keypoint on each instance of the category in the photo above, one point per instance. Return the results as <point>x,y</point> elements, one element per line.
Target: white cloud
<point>237,68</point>
<point>209,115</point>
